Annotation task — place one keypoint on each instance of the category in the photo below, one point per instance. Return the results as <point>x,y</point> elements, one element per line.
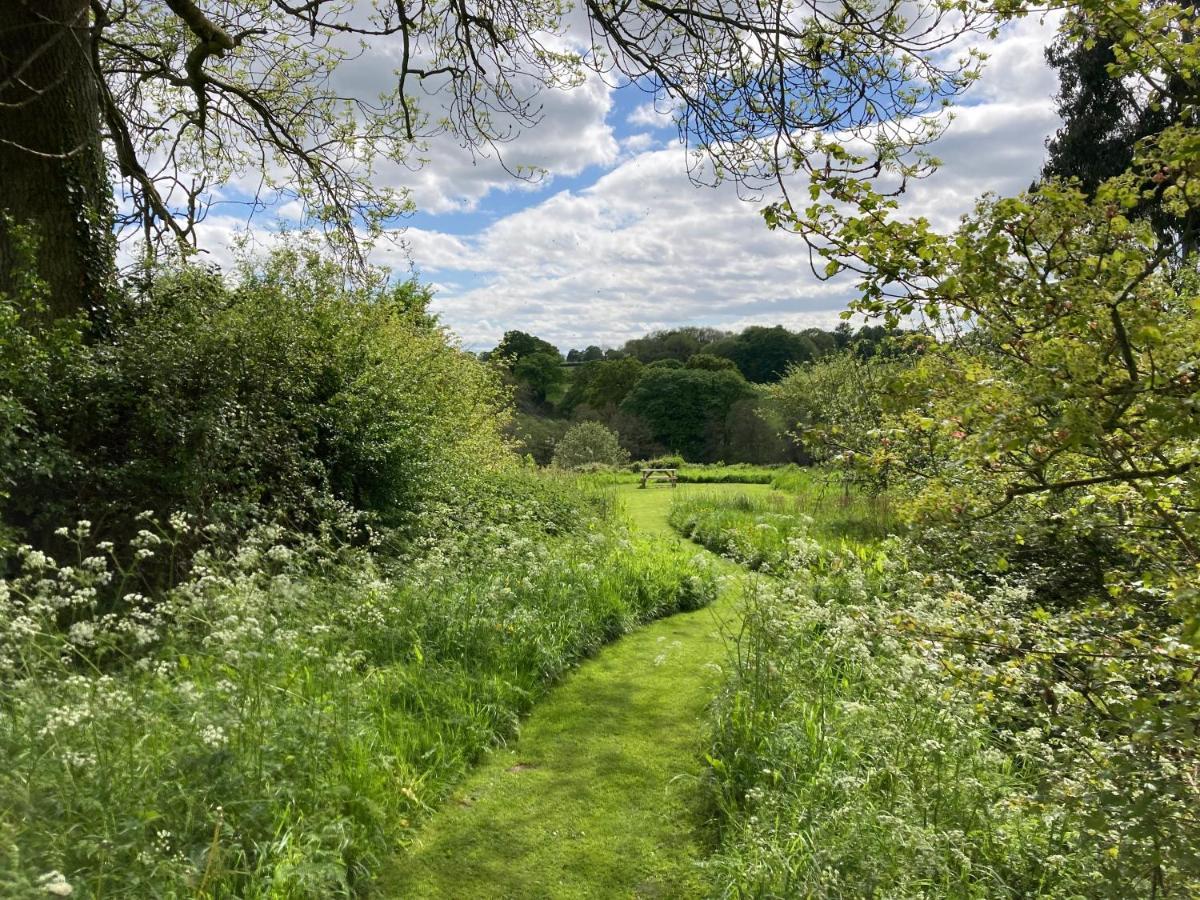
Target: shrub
<point>286,397</point>
<point>671,461</point>
<point>589,443</point>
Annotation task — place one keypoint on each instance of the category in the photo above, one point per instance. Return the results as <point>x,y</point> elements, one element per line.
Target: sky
<point>616,241</point>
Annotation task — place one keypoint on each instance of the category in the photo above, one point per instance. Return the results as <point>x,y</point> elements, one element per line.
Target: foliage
<point>710,361</point>
<point>1103,117</point>
<point>34,354</point>
<point>686,408</point>
<point>588,443</point>
<point>288,397</point>
<point>1058,412</point>
<point>516,345</point>
<point>835,775</point>
<point>763,354</point>
<point>271,726</point>
<point>536,435</point>
<point>834,407</point>
<point>541,372</point>
<point>602,384</point>
<point>678,344</point>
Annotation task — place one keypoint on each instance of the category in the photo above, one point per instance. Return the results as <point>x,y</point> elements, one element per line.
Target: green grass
<point>762,530</point>
<point>600,796</point>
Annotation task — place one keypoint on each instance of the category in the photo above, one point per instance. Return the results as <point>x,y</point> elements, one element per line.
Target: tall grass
<point>844,762</point>
<point>763,530</point>
<point>278,724</point>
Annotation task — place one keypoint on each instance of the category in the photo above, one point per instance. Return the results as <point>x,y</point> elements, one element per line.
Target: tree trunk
<point>55,201</point>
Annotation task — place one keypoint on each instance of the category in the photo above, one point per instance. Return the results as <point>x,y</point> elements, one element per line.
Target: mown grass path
<point>599,797</point>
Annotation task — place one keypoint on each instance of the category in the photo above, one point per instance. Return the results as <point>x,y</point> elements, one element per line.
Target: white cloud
<point>642,248</point>
<point>572,136</point>
<point>651,114</point>
<point>636,143</point>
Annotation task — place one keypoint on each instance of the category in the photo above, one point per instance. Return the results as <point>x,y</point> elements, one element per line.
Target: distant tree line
<point>696,391</point>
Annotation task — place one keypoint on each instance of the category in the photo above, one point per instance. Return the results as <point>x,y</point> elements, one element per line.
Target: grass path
<point>600,796</point>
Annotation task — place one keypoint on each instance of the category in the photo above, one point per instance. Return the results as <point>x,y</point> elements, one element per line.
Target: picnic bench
<point>671,475</point>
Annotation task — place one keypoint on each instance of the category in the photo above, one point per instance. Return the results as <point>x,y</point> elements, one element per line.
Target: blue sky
<point>615,240</point>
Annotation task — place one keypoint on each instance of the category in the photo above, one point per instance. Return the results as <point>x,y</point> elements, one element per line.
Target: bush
<point>846,764</point>
<point>588,444</point>
<point>672,461</point>
<point>286,397</point>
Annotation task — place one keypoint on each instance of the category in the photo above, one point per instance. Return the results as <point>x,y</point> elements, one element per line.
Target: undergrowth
<point>859,749</point>
<point>275,725</point>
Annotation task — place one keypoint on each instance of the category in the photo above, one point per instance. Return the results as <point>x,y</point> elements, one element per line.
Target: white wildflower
<point>214,737</point>
<point>56,884</point>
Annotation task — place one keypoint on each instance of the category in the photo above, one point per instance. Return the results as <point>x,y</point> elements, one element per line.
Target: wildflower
<point>55,883</point>
<point>35,560</point>
<point>82,633</point>
<point>213,736</point>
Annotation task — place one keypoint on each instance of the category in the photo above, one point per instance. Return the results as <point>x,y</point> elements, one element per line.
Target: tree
<point>1060,400</point>
<point>190,94</point>
<point>711,362</point>
<point>834,408</point>
<point>750,437</point>
<point>1104,118</point>
<point>686,409</point>
<point>764,354</point>
<point>603,384</point>
<point>541,372</point>
<point>56,210</point>
<point>591,354</point>
<point>588,444</point>
<point>516,345</point>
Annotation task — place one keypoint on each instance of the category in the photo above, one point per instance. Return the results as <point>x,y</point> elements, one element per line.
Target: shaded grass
<point>601,795</point>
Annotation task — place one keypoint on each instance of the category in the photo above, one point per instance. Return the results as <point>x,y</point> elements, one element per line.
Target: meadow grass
<point>276,725</point>
<point>602,793</point>
<point>758,530</point>
<point>843,761</point>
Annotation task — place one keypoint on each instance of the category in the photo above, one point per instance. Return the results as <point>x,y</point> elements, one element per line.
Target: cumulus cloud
<point>642,248</point>
<point>650,114</point>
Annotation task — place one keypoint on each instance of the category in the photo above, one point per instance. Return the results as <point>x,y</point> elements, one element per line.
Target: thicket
<point>846,757</point>
<point>281,394</point>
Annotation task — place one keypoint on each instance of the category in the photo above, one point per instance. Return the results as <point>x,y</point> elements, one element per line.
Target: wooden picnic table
<point>671,475</point>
